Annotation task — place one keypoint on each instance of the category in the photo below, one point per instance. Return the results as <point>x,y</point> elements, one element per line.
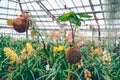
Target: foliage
<point>46,59</point>
<point>73,17</point>
<point>51,65</point>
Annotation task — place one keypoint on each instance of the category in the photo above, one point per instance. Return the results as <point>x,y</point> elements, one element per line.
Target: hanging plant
<point>21,23</point>
<point>73,55</point>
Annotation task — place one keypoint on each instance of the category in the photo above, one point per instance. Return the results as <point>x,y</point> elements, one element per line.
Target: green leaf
<point>84,16</point>
<point>32,75</point>
<point>97,72</point>
<point>78,23</point>
<point>73,18</point>
<point>66,16</point>
<point>62,18</point>
<point>50,75</point>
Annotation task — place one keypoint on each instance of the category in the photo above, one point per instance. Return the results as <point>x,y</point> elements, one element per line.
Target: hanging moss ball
<point>73,55</point>
<point>21,23</point>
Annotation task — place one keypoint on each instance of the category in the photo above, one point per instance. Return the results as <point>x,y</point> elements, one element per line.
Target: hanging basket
<point>73,55</point>
<point>21,23</point>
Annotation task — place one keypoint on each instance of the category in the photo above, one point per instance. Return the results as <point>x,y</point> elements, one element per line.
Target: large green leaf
<point>75,20</point>
<point>66,16</point>
<point>70,16</point>
<point>73,17</point>
<point>84,16</point>
<point>62,18</point>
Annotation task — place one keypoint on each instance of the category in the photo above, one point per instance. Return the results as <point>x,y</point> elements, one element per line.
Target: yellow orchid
<point>29,47</point>
<point>55,49</point>
<point>60,48</point>
<point>11,54</point>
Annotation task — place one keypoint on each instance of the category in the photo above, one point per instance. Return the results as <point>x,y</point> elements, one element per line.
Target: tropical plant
<point>73,18</point>
<point>73,55</point>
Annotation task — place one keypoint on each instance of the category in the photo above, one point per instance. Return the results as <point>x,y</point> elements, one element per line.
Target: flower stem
<point>72,32</point>
<point>68,78</point>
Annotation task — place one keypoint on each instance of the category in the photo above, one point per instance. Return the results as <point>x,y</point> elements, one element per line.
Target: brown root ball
<point>21,23</point>
<point>73,55</point>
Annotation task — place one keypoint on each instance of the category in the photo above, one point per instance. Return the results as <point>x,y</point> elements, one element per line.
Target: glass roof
<point>42,10</point>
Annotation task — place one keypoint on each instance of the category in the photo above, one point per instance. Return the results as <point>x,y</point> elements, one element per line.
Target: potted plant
<point>73,19</point>
<point>73,54</point>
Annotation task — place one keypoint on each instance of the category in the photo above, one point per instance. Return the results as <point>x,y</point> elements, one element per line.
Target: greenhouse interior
<point>59,40</point>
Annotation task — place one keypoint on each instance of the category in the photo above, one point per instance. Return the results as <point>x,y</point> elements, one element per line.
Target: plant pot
<point>21,23</point>
<point>73,55</point>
